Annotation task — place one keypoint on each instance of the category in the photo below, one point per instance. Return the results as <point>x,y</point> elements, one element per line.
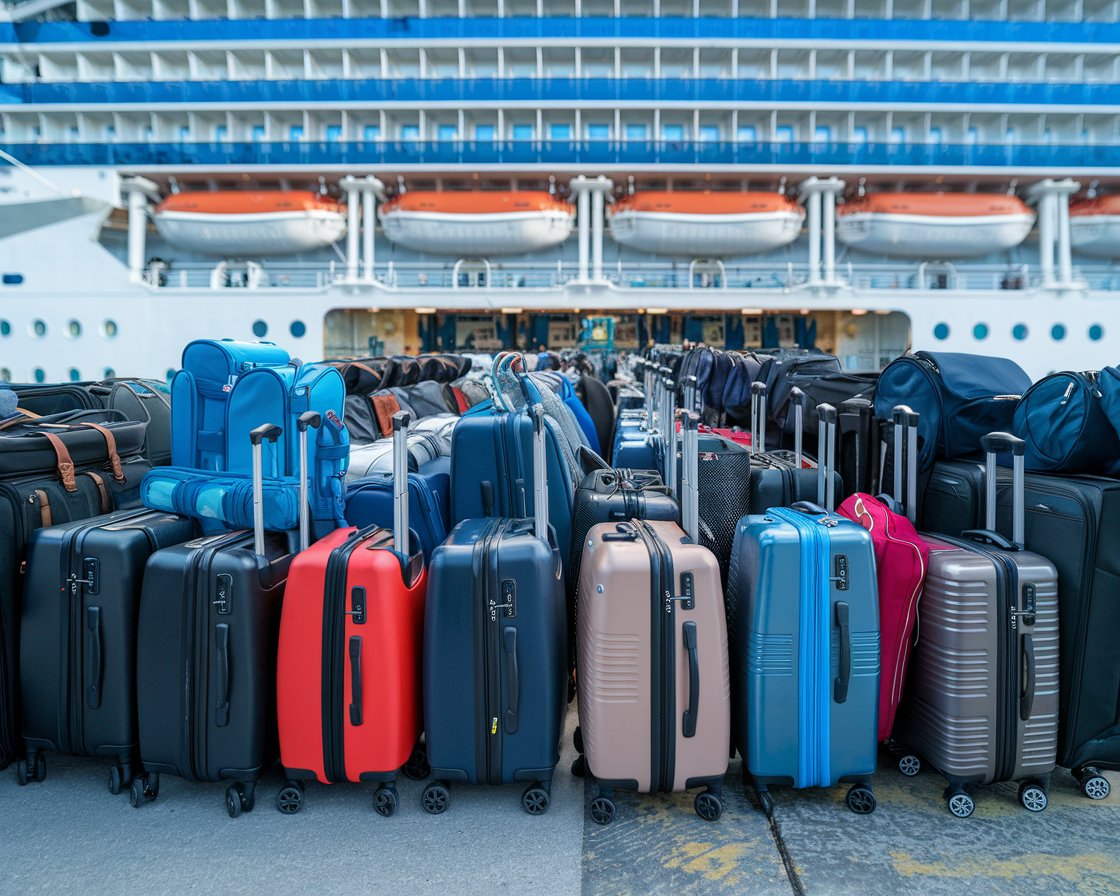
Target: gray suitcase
<point>981,703</point>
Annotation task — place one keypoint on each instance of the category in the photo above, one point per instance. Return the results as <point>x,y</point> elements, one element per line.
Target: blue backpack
<point>1063,420</point>
<point>959,399</point>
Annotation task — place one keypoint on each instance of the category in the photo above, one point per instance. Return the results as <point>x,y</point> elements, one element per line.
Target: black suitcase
<point>495,658</point>
<point>78,665</point>
<point>1074,521</point>
<point>206,656</point>
<point>42,483</point>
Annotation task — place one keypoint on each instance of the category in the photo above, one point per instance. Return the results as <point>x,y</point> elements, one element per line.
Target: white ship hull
<point>501,233</point>
<point>685,235</point>
<point>930,236</point>
<point>241,235</point>
<point>1097,236</point>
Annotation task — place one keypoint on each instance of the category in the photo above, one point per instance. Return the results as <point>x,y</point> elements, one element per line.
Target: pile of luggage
<point>370,567</point>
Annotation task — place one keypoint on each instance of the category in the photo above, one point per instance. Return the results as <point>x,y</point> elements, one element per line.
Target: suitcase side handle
<point>1026,700</point>
<point>688,722</point>
<point>94,662</point>
<point>355,680</point>
<point>513,679</point>
<point>844,676</point>
<point>221,639</point>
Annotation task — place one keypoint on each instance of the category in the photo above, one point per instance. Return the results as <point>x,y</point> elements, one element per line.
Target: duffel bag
<point>1062,419</point>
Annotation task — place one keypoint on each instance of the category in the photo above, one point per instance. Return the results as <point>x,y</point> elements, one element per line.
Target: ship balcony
<point>584,155</point>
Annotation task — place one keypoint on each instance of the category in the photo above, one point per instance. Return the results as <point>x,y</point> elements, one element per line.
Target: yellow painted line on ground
<point>1103,870</point>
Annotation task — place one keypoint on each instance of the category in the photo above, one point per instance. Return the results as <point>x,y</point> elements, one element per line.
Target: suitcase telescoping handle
<point>269,432</point>
<point>307,420</point>
<point>690,475</point>
<point>669,432</point>
<point>758,418</point>
<point>540,477</point>
<point>992,443</point>
<point>906,455</point>
<point>401,420</point>
<point>826,457</point>
<point>797,398</point>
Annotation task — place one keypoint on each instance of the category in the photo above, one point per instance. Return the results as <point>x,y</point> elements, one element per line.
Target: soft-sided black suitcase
<point>495,659</point>
<point>206,656</point>
<point>78,664</point>
<point>74,474</point>
<point>1075,522</point>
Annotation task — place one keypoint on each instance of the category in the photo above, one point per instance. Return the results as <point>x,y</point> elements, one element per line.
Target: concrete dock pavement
<point>69,835</point>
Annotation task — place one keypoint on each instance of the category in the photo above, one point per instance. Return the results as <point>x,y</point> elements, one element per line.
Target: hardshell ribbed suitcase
<point>206,655</point>
<point>981,705</point>
<point>348,664</point>
<point>652,651</point>
<point>495,658</point>
<point>78,665</point>
<point>803,624</point>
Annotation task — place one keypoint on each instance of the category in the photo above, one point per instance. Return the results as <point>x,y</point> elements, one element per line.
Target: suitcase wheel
<point>144,787</point>
<point>1033,797</point>
<point>1093,784</point>
<point>290,798</point>
<point>577,739</point>
<point>436,798</point>
<point>602,810</point>
<point>909,764</point>
<point>417,767</point>
<point>961,804</point>
<point>535,800</point>
<point>120,777</point>
<point>708,806</point>
<point>579,767</point>
<point>385,801</point>
<point>861,800</point>
<point>31,769</point>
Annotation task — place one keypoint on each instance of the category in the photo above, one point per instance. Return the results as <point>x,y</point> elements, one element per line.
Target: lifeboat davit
<point>1094,226</point>
<point>234,223</point>
<point>705,223</point>
<point>933,225</point>
<point>477,222</point>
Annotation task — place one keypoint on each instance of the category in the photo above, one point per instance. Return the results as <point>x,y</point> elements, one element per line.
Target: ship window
<point>637,132</point>
<point>295,133</point>
<point>447,133</point>
<point>75,374</point>
<point>941,331</point>
<point>184,134</point>
<point>823,134</point>
<point>934,136</point>
<point>980,331</point>
<point>898,135</point>
<point>859,134</point>
<point>298,329</point>
<point>784,133</point>
<point>109,329</point>
<point>12,279</point>
<point>1058,332</point>
<point>5,375</point>
<point>38,328</point>
<point>746,134</point>
<point>709,133</point>
<point>1096,332</point>
<point>110,132</point>
<point>973,137</point>
<point>258,133</point>
<point>372,132</point>
<point>484,133</point>
<point>522,132</point>
<point>1020,331</point>
<point>220,133</point>
<point>39,375</point>
<point>334,133</point>
<point>598,132</point>
<point>410,132</point>
<point>5,328</point>
<point>74,329</point>
<point>108,373</point>
<point>672,133</point>
<point>260,328</point>
<point>559,130</point>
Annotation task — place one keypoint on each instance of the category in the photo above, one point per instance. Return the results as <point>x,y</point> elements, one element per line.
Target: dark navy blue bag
<point>959,399</point>
<point>1062,419</point>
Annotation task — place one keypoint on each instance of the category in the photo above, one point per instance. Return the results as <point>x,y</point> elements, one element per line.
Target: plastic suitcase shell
<point>369,502</point>
<point>799,582</point>
<point>80,610</point>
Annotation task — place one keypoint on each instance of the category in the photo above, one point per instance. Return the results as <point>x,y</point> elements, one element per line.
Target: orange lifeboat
<point>477,222</point>
<point>933,225</point>
<point>236,223</point>
<point>1094,226</point>
<point>705,223</point>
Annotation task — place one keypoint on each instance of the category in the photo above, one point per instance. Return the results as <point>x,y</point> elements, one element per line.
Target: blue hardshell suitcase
<point>369,501</point>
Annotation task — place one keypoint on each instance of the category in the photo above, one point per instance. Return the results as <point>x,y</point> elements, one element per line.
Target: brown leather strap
<point>44,500</point>
<point>111,447</point>
<point>385,404</point>
<point>102,491</point>
<point>65,462</point>
<point>21,416</point>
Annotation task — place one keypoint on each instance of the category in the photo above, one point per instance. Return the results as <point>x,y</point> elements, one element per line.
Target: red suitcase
<point>901,558</point>
<point>348,668</point>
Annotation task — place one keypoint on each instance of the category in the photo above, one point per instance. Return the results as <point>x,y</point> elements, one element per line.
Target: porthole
<point>1058,332</point>
<point>12,279</point>
<point>109,329</point>
<point>170,374</point>
<point>109,373</point>
<point>38,328</point>
<point>39,375</point>
<point>74,329</point>
<point>298,329</point>
<point>75,374</point>
<point>260,329</point>
<point>941,331</point>
<point>5,328</point>
<point>1020,331</point>
<point>1096,332</point>
<point>980,332</point>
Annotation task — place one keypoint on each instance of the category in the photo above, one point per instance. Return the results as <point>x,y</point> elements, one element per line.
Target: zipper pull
<point>494,725</point>
<point>1065,398</point>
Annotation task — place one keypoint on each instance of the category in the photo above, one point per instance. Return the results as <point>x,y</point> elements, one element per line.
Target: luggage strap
<point>21,416</point>
<point>65,462</point>
<point>102,492</point>
<point>45,516</point>
<point>111,446</point>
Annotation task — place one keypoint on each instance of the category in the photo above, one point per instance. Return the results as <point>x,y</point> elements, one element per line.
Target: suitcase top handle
<point>905,421</point>
<point>992,443</point>
<point>307,420</point>
<point>826,457</point>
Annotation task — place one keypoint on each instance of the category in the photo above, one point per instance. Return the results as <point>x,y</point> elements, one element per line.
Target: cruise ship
<point>345,178</point>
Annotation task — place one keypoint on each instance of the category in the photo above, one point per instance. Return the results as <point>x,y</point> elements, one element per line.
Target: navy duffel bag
<point>1063,421</point>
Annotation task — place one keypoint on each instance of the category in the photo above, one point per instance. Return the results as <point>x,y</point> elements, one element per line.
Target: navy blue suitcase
<point>369,502</point>
<point>495,657</point>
